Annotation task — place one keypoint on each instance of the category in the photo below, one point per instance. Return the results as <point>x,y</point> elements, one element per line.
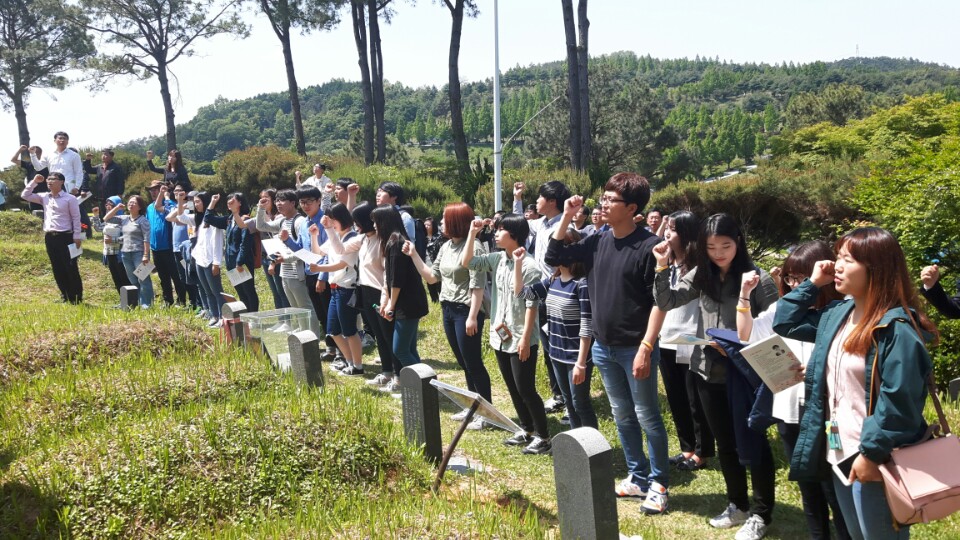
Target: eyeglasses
<point>793,280</point>
<point>307,201</point>
<point>610,200</point>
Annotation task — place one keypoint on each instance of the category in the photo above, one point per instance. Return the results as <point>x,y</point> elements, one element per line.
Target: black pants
<point>193,292</point>
<point>762,470</point>
<point>66,272</point>
<point>818,498</point>
<point>321,304</point>
<point>381,328</point>
<point>545,339</point>
<point>117,271</point>
<point>685,407</point>
<point>247,291</point>
<point>166,265</point>
<point>520,378</point>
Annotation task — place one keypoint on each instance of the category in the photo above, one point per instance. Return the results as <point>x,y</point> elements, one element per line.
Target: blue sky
<point>531,31</point>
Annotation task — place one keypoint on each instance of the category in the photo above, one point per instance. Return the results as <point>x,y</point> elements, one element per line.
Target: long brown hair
<point>888,284</point>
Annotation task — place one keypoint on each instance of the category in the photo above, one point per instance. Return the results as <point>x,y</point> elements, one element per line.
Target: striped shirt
<point>568,315</point>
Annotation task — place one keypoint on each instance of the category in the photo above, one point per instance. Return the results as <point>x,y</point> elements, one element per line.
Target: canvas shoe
<point>626,488</point>
<point>730,518</point>
<point>460,415</point>
<point>477,424</point>
<point>656,501</point>
<point>554,405</point>
<point>392,386</point>
<point>538,446</point>
<point>338,365</point>
<point>753,529</point>
<point>351,371</point>
<point>379,380</point>
<point>519,438</point>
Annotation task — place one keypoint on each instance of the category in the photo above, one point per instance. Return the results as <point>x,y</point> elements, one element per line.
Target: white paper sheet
<point>772,359</point>
<point>308,257</point>
<point>143,271</point>
<point>685,339</point>
<point>273,245</point>
<point>236,277</point>
<point>75,251</point>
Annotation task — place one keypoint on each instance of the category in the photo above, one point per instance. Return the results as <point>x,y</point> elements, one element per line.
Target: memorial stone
<point>954,389</point>
<point>421,410</point>
<point>232,329</point>
<point>583,470</point>
<point>129,297</point>
<point>305,360</point>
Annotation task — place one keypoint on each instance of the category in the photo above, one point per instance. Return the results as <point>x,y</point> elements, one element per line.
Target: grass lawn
<point>140,424</point>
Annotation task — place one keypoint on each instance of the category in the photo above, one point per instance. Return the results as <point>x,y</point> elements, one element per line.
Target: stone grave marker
<point>583,470</point>
<point>421,410</point>
<point>954,389</point>
<point>305,360</point>
<point>232,329</point>
<point>129,297</point>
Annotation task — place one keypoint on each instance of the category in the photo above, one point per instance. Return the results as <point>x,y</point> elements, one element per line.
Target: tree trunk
<point>586,133</point>
<point>376,73</point>
<point>360,37</point>
<point>21,113</point>
<point>456,107</point>
<point>167,105</point>
<point>573,84</point>
<point>294,91</point>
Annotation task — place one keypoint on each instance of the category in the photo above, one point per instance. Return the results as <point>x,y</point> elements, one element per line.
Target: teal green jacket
<point>898,358</point>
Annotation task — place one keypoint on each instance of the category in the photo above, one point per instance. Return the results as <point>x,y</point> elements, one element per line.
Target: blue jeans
<point>276,286</point>
<point>467,349</point>
<point>405,342</point>
<point>636,410</point>
<point>865,511</point>
<point>341,318</point>
<point>211,287</point>
<point>131,260</point>
<point>576,397</point>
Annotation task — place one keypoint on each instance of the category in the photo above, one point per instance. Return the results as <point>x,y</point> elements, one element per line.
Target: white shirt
<point>786,403</point>
<point>67,163</point>
<point>541,230</point>
<point>209,248</point>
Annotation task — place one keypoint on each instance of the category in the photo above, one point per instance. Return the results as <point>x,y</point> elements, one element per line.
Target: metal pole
<point>453,444</point>
<point>497,145</point>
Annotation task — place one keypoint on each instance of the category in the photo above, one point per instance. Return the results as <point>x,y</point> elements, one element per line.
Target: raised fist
<point>150,154</point>
<point>519,254</point>
<point>930,275</point>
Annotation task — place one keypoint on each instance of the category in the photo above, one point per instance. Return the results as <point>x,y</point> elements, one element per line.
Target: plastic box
<point>267,331</point>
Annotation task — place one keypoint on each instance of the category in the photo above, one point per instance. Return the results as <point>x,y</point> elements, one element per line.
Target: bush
<point>257,168</point>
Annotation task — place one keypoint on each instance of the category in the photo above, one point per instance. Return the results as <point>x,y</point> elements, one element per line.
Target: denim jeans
<point>193,290</point>
<point>405,342</point>
<point>467,349</point>
<point>636,411</point>
<point>865,511</point>
<point>341,318</point>
<point>131,260</point>
<point>576,397</point>
<point>276,286</point>
<point>211,287</point>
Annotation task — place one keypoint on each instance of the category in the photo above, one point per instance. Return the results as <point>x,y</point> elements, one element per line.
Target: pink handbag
<point>922,481</point>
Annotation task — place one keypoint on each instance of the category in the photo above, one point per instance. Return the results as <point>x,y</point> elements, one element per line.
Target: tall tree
<point>155,33</point>
<point>38,43</point>
<point>376,75</point>
<point>307,15</point>
<point>457,8</point>
<point>578,90</point>
<point>359,18</point>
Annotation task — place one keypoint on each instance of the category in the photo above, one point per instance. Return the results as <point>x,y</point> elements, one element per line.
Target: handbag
<point>920,481</point>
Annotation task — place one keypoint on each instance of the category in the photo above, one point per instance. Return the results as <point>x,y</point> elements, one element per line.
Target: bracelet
<point>661,268</point>
<point>647,343</point>
<point>744,299</point>
<point>743,309</point>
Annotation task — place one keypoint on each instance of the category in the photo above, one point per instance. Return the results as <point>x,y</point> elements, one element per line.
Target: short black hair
<point>340,213</point>
<point>394,190</point>
<point>654,209</point>
<point>361,216</point>
<point>345,182</point>
<point>59,133</point>
<point>242,199</point>
<point>308,192</point>
<point>555,190</point>
<point>288,195</point>
<point>516,226</point>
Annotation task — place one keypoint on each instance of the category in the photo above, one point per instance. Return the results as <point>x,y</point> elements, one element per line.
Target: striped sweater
<point>568,315</point>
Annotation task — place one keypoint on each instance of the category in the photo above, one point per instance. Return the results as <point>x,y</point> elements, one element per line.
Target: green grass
<point>141,425</point>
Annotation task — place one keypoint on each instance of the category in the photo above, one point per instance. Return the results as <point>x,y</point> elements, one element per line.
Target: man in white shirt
<point>64,161</point>
<point>319,179</point>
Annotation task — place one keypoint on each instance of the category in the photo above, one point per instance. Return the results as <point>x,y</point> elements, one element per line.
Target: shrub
<point>254,169</point>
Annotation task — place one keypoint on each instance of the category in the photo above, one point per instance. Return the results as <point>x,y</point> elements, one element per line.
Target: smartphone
<point>503,332</point>
<point>843,468</point>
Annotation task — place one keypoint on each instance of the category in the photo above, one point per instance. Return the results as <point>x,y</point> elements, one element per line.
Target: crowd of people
<point>607,289</point>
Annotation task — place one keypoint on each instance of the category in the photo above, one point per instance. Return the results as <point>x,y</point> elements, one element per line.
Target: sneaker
<point>338,365</point>
<point>477,424</point>
<point>730,518</point>
<point>379,380</point>
<point>367,341</point>
<point>565,421</point>
<point>753,529</point>
<point>656,501</point>
<point>538,446</point>
<point>519,438</point>
<point>214,323</point>
<point>460,415</point>
<point>202,314</point>
<point>554,405</point>
<point>328,356</point>
<point>351,371</point>
<point>626,488</point>
<point>392,386</point>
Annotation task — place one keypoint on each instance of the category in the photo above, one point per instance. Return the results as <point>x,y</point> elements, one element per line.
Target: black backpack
<point>420,242</point>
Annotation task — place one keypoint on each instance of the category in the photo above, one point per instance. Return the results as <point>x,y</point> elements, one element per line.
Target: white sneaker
<point>460,415</point>
<point>379,380</point>
<point>730,518</point>
<point>626,488</point>
<point>477,424</point>
<point>753,529</point>
<point>392,386</point>
<point>656,501</point>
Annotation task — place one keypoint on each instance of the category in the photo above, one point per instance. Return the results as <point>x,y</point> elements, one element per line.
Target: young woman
<point>569,331</point>
<point>370,284</point>
<point>207,253</point>
<point>174,173</point>
<point>514,330</point>
<point>461,299</point>
<point>239,243</point>
<point>135,250</point>
<point>696,439</point>
<point>403,299</point>
<point>818,498</point>
<point>341,315</point>
<point>434,240</point>
<point>111,241</point>
<point>723,259</point>
<point>271,268</point>
<point>866,378</point>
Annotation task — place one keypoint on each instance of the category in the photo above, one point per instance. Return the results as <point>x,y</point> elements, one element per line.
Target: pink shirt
<point>60,213</point>
<point>846,395</point>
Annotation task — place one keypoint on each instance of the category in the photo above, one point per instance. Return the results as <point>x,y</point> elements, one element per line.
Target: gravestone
<point>305,360</point>
<point>583,470</point>
<point>129,297</point>
<point>232,329</point>
<point>954,389</point>
<point>421,410</point>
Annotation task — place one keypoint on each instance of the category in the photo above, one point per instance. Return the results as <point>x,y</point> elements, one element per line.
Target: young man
<point>110,178</point>
<point>550,201</point>
<point>392,193</point>
<point>161,244</point>
<point>61,225</point>
<point>319,180</point>
<point>23,160</point>
<point>620,272</point>
<point>64,161</point>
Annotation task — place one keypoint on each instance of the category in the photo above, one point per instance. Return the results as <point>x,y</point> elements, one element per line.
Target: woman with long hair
<point>723,258</point>
<point>207,252</point>
<point>461,299</point>
<point>818,497</point>
<point>271,268</point>
<point>866,377</point>
<point>174,172</point>
<point>696,439</point>
<point>239,242</point>
<point>403,299</point>
<point>135,250</point>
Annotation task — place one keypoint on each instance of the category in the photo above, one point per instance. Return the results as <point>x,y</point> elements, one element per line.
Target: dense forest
<point>690,117</point>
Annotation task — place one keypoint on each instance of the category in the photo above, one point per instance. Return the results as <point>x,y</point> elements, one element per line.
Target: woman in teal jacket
<point>866,378</point>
